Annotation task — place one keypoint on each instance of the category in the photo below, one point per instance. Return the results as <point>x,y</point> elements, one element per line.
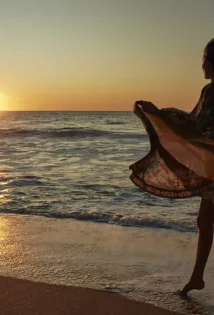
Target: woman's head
<point>208,60</point>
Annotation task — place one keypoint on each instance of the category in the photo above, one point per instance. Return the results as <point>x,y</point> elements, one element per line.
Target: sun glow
<point>7,101</point>
<point>3,102</point>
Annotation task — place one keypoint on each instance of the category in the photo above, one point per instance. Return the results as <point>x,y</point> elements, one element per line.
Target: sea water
<point>76,165</point>
<point>67,167</point>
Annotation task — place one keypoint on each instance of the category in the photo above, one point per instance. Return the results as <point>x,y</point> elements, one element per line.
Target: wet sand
<point>24,297</point>
<point>142,264</point>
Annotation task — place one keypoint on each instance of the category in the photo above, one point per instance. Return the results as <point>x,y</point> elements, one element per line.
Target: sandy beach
<point>24,297</point>
<point>91,268</point>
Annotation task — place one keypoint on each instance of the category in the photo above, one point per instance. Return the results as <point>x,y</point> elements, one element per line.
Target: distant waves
<point>69,132</point>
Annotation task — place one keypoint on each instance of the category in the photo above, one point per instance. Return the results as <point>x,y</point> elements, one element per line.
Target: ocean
<point>76,165</point>
<point>69,171</point>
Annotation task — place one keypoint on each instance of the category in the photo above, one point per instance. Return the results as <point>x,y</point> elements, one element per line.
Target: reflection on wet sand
<point>10,247</point>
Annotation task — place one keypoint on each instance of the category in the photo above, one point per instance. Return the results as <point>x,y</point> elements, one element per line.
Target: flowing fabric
<point>180,163</point>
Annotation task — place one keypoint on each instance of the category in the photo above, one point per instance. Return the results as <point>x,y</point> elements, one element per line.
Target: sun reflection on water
<point>5,197</point>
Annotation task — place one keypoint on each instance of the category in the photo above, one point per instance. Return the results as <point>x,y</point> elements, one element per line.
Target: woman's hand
<point>146,106</point>
<point>142,102</point>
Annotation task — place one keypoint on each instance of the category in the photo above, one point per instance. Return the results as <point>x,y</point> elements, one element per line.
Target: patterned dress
<point>180,163</point>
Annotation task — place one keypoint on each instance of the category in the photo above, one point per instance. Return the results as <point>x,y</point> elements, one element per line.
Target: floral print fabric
<point>180,163</point>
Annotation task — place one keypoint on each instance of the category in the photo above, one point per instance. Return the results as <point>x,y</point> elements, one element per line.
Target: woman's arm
<point>193,112</point>
<point>205,119</point>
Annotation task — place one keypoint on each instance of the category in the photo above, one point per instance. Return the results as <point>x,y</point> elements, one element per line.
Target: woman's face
<point>207,68</point>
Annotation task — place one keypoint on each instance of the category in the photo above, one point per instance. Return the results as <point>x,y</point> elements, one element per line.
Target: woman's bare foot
<point>191,286</point>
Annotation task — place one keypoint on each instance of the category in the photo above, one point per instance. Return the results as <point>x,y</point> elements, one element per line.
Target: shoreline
<point>24,297</point>
<point>144,265</point>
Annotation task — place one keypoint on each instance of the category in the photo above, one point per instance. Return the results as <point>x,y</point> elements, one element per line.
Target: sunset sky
<point>102,54</point>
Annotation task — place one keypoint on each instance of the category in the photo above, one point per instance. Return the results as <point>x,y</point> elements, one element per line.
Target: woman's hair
<point>209,52</point>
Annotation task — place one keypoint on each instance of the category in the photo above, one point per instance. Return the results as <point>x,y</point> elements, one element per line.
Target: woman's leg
<point>205,221</point>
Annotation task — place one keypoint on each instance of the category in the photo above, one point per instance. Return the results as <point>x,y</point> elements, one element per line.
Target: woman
<point>180,163</point>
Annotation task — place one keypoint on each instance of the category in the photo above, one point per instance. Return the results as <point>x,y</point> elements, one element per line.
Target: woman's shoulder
<point>208,89</point>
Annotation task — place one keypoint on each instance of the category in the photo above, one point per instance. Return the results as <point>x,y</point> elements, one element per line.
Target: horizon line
<point>65,110</point>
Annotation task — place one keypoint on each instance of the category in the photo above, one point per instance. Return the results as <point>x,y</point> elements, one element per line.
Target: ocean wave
<point>69,132</point>
<point>22,181</point>
<point>109,122</point>
<point>117,219</point>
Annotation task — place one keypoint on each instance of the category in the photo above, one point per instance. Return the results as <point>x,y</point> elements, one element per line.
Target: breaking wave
<point>69,132</point>
<point>117,219</point>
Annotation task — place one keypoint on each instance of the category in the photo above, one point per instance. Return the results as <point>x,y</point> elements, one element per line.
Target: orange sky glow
<point>70,55</point>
